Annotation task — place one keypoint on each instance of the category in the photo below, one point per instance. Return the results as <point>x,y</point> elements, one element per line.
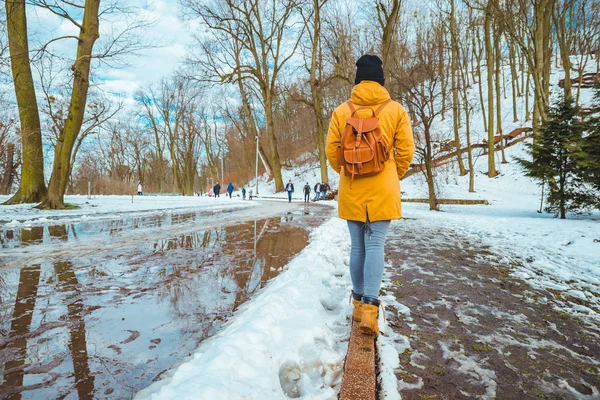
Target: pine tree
<point>557,153</point>
<point>590,160</point>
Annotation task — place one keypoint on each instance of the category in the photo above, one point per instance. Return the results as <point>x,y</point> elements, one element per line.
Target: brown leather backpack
<point>363,150</point>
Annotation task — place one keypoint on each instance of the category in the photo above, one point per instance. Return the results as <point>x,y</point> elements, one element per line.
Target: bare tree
<point>388,16</point>
<point>422,85</point>
<point>269,37</point>
<point>32,188</point>
<point>316,80</point>
<point>455,51</point>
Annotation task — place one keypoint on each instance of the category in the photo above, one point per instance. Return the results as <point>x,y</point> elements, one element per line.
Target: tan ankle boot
<point>368,319</point>
<point>357,312</point>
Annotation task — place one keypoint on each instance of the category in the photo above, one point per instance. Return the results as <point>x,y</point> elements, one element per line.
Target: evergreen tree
<point>590,161</point>
<point>557,154</point>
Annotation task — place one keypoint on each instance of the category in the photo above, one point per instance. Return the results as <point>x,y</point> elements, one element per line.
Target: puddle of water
<point>104,324</point>
<point>93,230</point>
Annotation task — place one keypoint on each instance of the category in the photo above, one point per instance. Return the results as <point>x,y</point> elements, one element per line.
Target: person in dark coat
<point>317,190</point>
<point>244,193</point>
<point>217,189</point>
<point>306,193</point>
<point>289,188</point>
<point>230,189</point>
<point>324,189</point>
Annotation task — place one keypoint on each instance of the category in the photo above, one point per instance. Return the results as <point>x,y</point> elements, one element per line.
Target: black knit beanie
<point>368,68</point>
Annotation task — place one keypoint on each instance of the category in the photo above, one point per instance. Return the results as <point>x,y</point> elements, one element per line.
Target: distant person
<point>140,191</point>
<point>324,188</point>
<point>243,193</point>
<point>217,189</point>
<point>317,189</point>
<point>230,189</point>
<point>306,193</point>
<point>289,188</point>
<point>369,202</point>
<point>250,194</point>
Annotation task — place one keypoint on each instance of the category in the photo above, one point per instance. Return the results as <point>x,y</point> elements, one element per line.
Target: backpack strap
<point>352,109</point>
<point>385,103</point>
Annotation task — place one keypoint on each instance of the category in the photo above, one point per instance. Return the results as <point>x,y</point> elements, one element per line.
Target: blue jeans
<point>323,194</point>
<point>289,196</point>
<point>366,256</point>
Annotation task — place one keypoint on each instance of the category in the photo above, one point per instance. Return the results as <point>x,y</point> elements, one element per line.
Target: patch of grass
<point>68,206</point>
<point>405,357</point>
<point>537,393</point>
<point>439,370</point>
<point>484,348</point>
<point>427,396</point>
<point>524,372</point>
<point>515,264</point>
<point>408,377</point>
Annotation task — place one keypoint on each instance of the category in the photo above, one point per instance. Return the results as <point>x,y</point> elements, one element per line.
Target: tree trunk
<point>10,170</point>
<point>489,50</point>
<point>527,112</point>
<point>498,57</point>
<point>480,83</point>
<point>429,169</point>
<point>388,23</point>
<point>514,79</point>
<point>66,140</point>
<point>251,126</point>
<point>564,45</point>
<point>455,102</point>
<point>316,91</point>
<point>273,143</point>
<point>32,188</point>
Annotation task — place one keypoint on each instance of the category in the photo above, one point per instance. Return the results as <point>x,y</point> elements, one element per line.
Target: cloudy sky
<point>123,76</point>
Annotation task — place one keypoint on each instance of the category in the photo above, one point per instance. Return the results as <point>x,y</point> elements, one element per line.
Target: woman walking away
<point>369,187</point>
<point>230,189</point>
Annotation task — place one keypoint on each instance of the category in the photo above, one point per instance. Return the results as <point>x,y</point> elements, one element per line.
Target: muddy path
<point>100,309</point>
<point>477,333</point>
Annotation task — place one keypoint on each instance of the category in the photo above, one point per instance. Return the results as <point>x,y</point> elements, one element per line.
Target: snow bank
<point>289,341</point>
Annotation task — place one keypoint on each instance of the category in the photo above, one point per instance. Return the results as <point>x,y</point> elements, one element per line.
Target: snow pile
<point>289,341</point>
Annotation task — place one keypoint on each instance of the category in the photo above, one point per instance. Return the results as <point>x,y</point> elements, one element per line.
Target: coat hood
<point>369,93</point>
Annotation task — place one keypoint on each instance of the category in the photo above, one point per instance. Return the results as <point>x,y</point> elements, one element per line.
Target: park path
<point>474,331</point>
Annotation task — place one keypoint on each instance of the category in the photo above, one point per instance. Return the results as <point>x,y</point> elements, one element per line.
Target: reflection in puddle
<point>106,324</point>
<point>26,236</point>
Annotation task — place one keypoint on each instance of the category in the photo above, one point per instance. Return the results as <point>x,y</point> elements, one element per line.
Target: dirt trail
<point>475,332</point>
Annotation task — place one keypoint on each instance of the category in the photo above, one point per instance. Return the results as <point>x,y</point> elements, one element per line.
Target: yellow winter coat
<point>376,197</point>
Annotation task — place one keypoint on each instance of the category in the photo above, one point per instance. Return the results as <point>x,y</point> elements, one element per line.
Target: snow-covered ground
<point>112,207</point>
